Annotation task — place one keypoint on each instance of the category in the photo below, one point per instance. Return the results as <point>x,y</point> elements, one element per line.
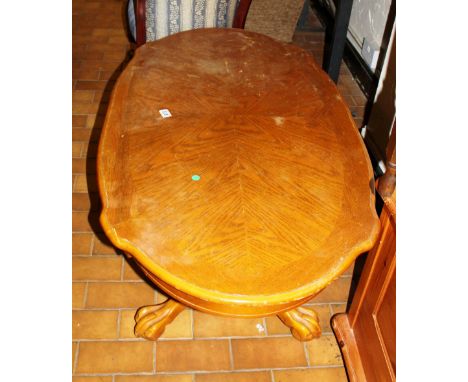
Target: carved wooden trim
<point>151,320</point>
<point>304,323</point>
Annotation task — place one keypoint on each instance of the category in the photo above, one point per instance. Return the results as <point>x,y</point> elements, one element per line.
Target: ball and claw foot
<point>304,323</point>
<point>151,320</point>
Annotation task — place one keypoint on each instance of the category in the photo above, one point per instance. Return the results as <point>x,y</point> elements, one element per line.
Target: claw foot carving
<point>151,320</point>
<point>304,323</point>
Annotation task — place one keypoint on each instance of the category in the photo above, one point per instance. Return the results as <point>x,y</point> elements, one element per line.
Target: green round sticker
<point>196,177</point>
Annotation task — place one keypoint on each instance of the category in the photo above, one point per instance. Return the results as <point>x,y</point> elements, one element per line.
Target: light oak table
<point>254,195</point>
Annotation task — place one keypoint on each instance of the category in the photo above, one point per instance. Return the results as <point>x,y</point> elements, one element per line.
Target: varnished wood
<point>151,320</point>
<point>304,323</point>
<point>387,182</point>
<point>349,348</point>
<point>140,21</point>
<point>367,332</point>
<point>241,14</point>
<point>285,199</point>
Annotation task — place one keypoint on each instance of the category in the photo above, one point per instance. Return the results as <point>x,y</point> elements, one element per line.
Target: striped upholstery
<point>166,17</point>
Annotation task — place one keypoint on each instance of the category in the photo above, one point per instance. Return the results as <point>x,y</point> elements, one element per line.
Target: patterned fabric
<point>166,17</point>
<point>131,18</point>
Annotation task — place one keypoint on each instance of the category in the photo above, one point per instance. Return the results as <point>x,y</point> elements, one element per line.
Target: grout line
<point>192,319</point>
<point>173,339</point>
<point>73,185</point>
<point>77,353</point>
<point>265,326</point>
<point>185,372</point>
<point>119,318</point>
<point>231,356</point>
<point>154,357</point>
<point>306,353</point>
<point>93,243</point>
<point>122,269</point>
<point>85,295</point>
<point>97,257</point>
<point>330,309</point>
<point>272,376</point>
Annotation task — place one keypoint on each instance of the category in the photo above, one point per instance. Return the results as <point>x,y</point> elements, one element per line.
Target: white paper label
<point>165,113</point>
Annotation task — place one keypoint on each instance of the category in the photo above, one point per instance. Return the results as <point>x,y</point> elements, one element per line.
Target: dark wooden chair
<point>150,20</point>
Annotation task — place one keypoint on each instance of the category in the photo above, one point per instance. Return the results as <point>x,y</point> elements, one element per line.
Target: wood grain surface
<point>285,200</point>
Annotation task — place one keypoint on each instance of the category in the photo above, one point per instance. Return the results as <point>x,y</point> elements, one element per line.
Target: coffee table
<point>231,171</point>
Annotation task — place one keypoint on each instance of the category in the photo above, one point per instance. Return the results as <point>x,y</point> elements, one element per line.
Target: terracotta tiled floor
<point>106,290</point>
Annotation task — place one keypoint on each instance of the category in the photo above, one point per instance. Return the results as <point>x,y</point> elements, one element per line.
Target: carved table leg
<point>151,320</point>
<point>304,323</point>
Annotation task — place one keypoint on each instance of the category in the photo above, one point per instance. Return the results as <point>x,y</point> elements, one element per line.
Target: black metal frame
<point>334,49</point>
<point>366,79</point>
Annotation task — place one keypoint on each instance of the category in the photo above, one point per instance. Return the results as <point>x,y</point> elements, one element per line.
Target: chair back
<point>154,19</point>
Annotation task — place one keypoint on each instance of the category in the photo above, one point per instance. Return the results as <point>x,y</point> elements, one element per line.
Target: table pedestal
<point>151,320</point>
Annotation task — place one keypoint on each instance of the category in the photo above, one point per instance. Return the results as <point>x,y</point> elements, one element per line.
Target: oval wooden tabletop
<point>284,201</point>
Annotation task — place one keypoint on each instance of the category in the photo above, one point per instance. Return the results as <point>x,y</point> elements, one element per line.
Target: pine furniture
<point>231,171</point>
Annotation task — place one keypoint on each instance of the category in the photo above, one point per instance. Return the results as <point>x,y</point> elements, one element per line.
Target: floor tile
<point>81,243</point>
<point>268,353</point>
<point>79,120</point>
<point>324,351</point>
<point>76,149</point>
<point>154,378</point>
<point>90,85</point>
<point>96,268</point>
<point>74,347</point>
<point>338,308</point>
<point>91,324</point>
<point>115,357</point>
<point>181,327</point>
<point>103,247</point>
<point>78,292</point>
<point>79,165</point>
<point>335,374</point>
<point>196,355</point>
<point>119,295</point>
<point>81,184</point>
<point>92,379</point>
<point>349,271</point>
<point>276,326</point>
<point>261,376</point>
<point>80,222</point>
<point>82,95</point>
<point>337,291</point>
<point>81,134</point>
<point>84,201</point>
<point>210,325</point>
<point>129,273</point>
